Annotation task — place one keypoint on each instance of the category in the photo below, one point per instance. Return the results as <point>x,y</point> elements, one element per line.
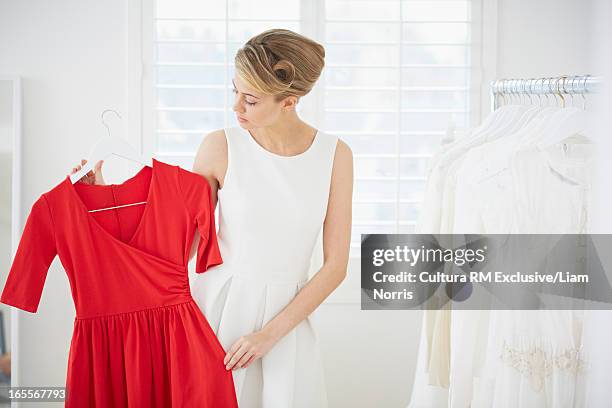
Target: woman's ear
<point>290,102</point>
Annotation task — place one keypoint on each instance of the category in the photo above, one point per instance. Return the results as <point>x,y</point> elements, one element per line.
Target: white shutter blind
<point>397,73</point>
<point>194,47</point>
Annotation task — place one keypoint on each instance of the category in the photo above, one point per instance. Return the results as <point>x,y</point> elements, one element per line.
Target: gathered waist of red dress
<point>182,301</point>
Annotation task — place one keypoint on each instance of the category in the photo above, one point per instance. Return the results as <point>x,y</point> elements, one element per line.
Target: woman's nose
<point>238,106</point>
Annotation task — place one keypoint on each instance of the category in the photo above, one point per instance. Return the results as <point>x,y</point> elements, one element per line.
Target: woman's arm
<point>210,162</point>
<point>336,245</point>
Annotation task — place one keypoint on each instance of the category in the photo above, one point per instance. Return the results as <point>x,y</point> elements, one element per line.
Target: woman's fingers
<point>98,178</point>
<point>246,357</point>
<point>89,174</point>
<point>237,355</point>
<point>93,176</point>
<point>78,166</point>
<point>249,361</point>
<point>232,350</point>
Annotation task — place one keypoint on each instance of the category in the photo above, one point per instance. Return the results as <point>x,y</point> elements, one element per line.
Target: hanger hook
<point>526,88</point>
<point>509,90</point>
<point>517,95</point>
<point>497,95</point>
<point>584,91</point>
<point>573,88</point>
<point>563,84</point>
<point>539,91</point>
<point>554,87</point>
<point>561,78</point>
<point>494,86</point>
<point>517,84</point>
<point>104,123</point>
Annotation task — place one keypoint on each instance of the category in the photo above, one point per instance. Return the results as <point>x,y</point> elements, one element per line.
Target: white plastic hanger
<point>520,116</point>
<point>569,124</point>
<point>504,120</point>
<point>550,126</point>
<point>506,138</point>
<point>492,120</point>
<point>106,147</point>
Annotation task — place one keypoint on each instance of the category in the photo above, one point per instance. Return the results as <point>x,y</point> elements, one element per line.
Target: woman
<point>280,183</point>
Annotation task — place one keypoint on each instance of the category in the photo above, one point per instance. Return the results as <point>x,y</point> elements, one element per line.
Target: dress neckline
<point>147,205</point>
<point>280,156</point>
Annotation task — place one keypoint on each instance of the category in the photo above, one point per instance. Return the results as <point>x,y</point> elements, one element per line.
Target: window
<point>397,74</point>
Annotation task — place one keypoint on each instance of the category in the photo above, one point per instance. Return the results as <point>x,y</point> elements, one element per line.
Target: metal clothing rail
<point>555,86</point>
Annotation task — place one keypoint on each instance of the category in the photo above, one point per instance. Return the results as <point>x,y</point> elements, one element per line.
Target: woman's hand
<point>248,349</point>
<point>93,176</point>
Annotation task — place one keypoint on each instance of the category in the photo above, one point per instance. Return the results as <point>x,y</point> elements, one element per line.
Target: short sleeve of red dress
<point>34,255</point>
<point>198,200</point>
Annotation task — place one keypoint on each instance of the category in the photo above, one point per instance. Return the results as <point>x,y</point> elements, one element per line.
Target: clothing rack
<point>555,86</point>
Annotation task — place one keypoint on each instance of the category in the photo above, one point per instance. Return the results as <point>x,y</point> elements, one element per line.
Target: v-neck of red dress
<point>147,172</point>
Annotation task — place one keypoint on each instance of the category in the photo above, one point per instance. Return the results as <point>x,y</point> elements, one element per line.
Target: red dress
<point>139,338</point>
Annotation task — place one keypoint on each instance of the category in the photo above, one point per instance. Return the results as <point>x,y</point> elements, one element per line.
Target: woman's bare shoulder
<point>214,140</point>
<point>342,170</point>
<point>211,157</point>
<point>344,155</point>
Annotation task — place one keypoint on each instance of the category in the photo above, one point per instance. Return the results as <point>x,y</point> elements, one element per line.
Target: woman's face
<point>254,109</point>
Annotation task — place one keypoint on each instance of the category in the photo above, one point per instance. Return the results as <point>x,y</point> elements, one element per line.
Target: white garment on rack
<point>271,213</point>
<point>430,387</point>
<point>451,206</point>
<point>479,205</point>
<point>526,198</point>
<point>437,193</point>
<point>597,337</point>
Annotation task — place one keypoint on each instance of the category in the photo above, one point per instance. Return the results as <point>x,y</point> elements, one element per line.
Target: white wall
<point>601,58</point>
<point>598,344</point>
<point>538,38</point>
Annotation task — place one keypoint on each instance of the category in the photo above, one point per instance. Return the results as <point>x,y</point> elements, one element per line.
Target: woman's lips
<point>241,119</point>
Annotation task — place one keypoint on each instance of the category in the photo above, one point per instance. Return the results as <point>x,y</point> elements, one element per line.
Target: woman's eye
<point>235,91</point>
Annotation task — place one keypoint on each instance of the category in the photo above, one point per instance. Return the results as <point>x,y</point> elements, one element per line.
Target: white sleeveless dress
<point>271,213</point>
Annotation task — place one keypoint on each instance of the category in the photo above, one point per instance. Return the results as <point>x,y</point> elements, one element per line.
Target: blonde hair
<point>280,62</point>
